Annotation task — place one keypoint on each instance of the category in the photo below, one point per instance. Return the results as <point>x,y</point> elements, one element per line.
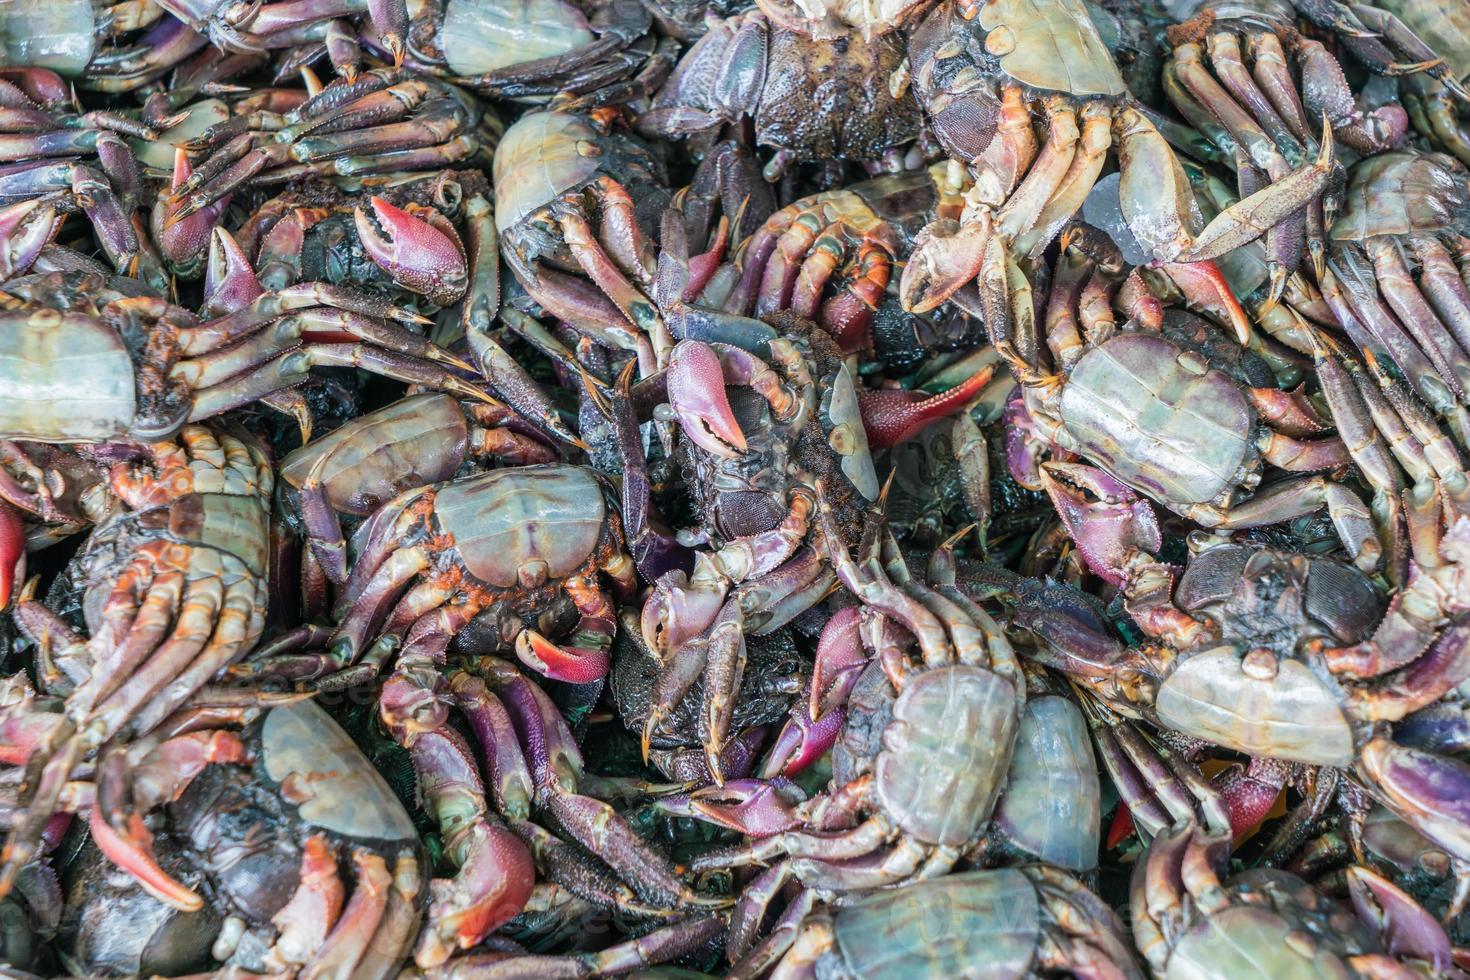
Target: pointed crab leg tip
<point>948,543</point>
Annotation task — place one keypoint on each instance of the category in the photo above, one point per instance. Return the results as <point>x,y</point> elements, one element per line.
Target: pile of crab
<point>565,488</point>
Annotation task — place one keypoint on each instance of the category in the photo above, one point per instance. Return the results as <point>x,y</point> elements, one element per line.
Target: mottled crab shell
<point>543,155</point>
<point>530,523</point>
<point>979,923</point>
<point>1403,194</point>
<point>411,443</point>
<point>1051,45</point>
<point>1290,715</point>
<point>66,378</point>
<point>1159,418</point>
<point>1052,806</point>
<point>332,784</point>
<point>1278,929</point>
<point>945,753</point>
<point>480,37</point>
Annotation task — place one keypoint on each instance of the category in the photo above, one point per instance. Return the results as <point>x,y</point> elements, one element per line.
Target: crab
<point>1274,654</point>
<point>1406,211</point>
<point>1193,920</point>
<point>924,752</point>
<point>533,768</point>
<point>264,820</point>
<point>1008,922</point>
<point>58,327</point>
<point>386,121</point>
<point>175,591</point>
<point>595,52</point>
<point>979,78</point>
<point>60,161</point>
<point>360,466</point>
<point>504,549</point>
<point>820,83</point>
<point>234,26</point>
<point>553,171</point>
<point>1168,406</point>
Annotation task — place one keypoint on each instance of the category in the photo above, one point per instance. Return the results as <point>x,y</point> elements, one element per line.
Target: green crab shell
<point>1293,715</point>
<point>334,786</point>
<point>1159,419</point>
<point>527,517</point>
<point>979,923</point>
<point>411,443</point>
<point>67,378</point>
<point>541,156</point>
<point>1051,45</point>
<point>1402,194</point>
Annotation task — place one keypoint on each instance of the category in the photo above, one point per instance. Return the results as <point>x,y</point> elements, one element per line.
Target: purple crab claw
<point>229,281</point>
<point>1405,928</point>
<point>1107,520</point>
<point>803,741</point>
<point>25,228</point>
<point>758,807</point>
<point>183,238</point>
<point>840,657</point>
<point>1430,792</point>
<point>676,612</point>
<point>424,256</point>
<point>696,386</point>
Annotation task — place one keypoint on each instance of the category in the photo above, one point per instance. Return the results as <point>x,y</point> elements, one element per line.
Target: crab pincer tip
<point>573,665</point>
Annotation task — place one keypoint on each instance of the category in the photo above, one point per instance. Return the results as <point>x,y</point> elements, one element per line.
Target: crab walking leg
<point>601,269</point>
<point>1040,185</point>
<point>1403,296</point>
<point>353,934</point>
<point>1092,152</point>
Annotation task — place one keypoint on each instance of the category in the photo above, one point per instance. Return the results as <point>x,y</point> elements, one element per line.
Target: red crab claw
<point>12,551</point>
<point>1206,290</point>
<point>1405,927</point>
<point>132,851</point>
<point>423,257</point>
<point>892,415</point>
<point>491,887</point>
<point>840,656</point>
<point>561,663</point>
<point>757,807</point>
<point>1250,793</point>
<point>803,741</point>
<point>25,228</point>
<point>229,280</point>
<point>183,237</point>
<point>696,386</point>
<point>1105,519</point>
<point>306,920</point>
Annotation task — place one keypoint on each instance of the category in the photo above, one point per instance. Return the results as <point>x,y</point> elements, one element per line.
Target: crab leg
<point>350,938</point>
<point>1092,150</point>
<point>1403,296</point>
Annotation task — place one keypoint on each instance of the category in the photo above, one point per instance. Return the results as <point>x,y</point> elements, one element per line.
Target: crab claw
<point>412,699</point>
<point>1107,520</point>
<point>892,415</point>
<point>696,386</point>
<point>803,741</point>
<point>229,280</point>
<point>1404,927</point>
<point>492,886</point>
<point>947,254</point>
<point>423,256</point>
<point>25,228</point>
<point>12,550</point>
<point>132,850</point>
<point>676,613</point>
<point>1429,792</point>
<point>1205,289</point>
<point>561,663</point>
<point>757,807</point>
<point>840,656</point>
<point>1026,448</point>
<point>183,237</point>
